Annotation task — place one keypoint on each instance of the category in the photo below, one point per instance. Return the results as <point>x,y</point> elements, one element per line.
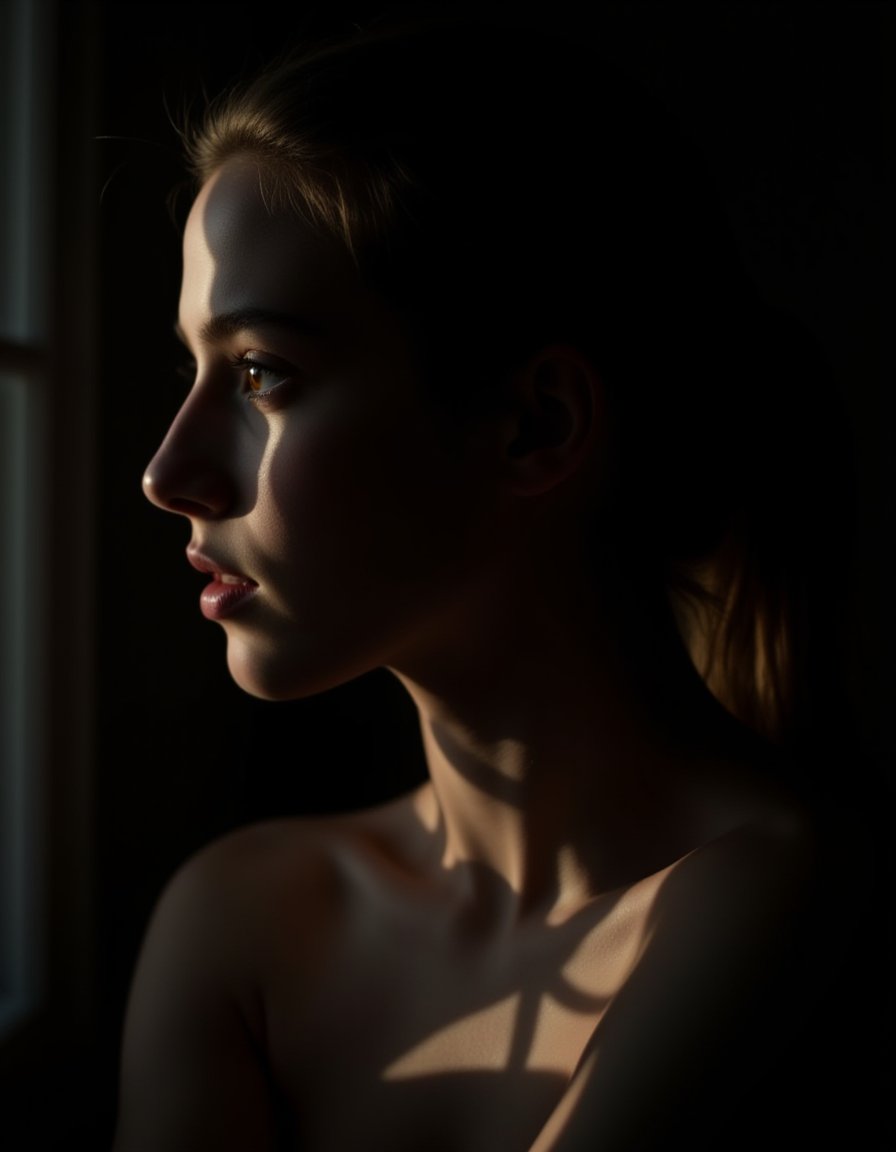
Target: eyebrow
<point>224,324</point>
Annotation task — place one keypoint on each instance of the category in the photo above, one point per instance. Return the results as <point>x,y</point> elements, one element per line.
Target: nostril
<point>190,508</point>
<point>157,492</point>
<point>190,473</point>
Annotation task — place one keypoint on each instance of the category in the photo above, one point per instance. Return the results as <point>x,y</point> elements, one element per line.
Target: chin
<point>270,676</point>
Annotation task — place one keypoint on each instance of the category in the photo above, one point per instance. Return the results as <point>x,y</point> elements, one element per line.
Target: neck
<point>550,760</point>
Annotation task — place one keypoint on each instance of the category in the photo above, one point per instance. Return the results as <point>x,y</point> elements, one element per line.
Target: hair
<point>507,188</point>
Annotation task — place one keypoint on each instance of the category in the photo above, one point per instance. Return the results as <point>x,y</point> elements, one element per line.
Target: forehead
<point>238,255</point>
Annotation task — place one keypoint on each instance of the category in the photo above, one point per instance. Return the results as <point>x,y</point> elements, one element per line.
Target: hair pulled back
<point>506,189</point>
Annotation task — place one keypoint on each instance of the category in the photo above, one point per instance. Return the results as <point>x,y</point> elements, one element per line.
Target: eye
<point>260,380</point>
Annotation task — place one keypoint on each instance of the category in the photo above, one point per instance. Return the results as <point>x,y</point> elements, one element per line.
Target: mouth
<point>218,572</point>
<point>229,578</point>
<point>226,592</point>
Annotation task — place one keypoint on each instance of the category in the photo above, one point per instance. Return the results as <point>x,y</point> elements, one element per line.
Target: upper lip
<point>203,563</point>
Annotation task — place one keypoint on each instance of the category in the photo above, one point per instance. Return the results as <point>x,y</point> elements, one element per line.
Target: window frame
<point>48,359</point>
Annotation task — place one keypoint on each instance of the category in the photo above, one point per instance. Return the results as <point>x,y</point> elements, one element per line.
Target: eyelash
<point>245,364</point>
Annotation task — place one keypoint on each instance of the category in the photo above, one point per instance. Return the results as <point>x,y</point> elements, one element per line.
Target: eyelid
<point>269,366</point>
<point>188,370</point>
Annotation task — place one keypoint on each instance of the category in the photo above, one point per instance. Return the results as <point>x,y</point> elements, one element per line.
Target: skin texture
<point>563,939</point>
<point>334,496</point>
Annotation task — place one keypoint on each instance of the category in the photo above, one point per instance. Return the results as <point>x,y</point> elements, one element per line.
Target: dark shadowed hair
<point>506,188</point>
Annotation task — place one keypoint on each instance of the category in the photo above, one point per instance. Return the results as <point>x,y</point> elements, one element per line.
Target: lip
<point>226,592</point>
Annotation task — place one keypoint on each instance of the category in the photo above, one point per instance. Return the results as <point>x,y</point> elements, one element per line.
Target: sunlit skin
<point>331,494</point>
<point>487,962</point>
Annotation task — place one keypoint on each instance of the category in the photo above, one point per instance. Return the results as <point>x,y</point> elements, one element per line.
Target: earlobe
<point>553,420</point>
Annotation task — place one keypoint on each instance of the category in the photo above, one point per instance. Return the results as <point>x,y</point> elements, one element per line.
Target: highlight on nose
<point>151,488</point>
<point>194,492</point>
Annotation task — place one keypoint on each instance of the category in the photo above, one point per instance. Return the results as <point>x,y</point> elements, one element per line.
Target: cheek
<point>381,494</point>
<point>339,492</point>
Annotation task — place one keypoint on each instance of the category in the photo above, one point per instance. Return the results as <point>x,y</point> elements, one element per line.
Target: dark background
<point>792,104</point>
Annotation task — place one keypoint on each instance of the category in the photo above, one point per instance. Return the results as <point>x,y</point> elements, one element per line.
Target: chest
<point>416,1035</point>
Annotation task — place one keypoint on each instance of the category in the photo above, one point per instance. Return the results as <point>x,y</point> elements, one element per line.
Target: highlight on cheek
<point>469,470</point>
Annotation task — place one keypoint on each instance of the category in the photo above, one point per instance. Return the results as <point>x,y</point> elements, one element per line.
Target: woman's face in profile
<point>336,531</point>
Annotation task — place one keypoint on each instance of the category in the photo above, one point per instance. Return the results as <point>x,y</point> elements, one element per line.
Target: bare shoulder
<point>735,908</point>
<point>251,869</point>
<point>303,858</point>
<point>262,889</point>
<point>760,849</point>
<point>773,843</point>
<point>193,1070</point>
<point>747,899</point>
<point>703,1035</point>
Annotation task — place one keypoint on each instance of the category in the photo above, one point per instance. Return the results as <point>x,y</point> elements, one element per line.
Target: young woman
<point>481,395</point>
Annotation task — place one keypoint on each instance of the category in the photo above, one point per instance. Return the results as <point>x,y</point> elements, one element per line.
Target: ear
<point>553,420</point>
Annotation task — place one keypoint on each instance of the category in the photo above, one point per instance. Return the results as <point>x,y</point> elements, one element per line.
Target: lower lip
<point>220,600</point>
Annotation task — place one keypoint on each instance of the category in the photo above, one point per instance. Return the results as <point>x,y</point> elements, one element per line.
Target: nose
<point>189,474</point>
